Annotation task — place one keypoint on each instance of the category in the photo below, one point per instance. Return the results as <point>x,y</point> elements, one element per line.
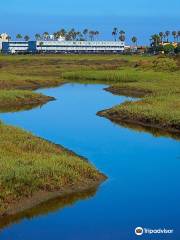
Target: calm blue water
<point>143,170</point>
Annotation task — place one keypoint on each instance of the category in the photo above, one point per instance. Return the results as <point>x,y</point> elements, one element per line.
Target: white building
<point>3,38</point>
<point>80,46</point>
<point>63,47</point>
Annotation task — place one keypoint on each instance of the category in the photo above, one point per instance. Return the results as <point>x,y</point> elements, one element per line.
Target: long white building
<point>63,47</point>
<point>80,46</point>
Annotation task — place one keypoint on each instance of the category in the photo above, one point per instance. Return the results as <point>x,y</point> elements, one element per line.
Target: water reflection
<point>20,108</point>
<point>48,207</point>
<point>154,131</point>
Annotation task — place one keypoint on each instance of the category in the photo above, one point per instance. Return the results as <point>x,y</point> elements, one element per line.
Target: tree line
<point>74,35</point>
<point>164,37</point>
<point>71,35</point>
<point>167,41</point>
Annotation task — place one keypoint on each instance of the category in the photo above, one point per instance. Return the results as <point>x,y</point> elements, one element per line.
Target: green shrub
<point>165,64</point>
<point>177,49</point>
<point>169,48</point>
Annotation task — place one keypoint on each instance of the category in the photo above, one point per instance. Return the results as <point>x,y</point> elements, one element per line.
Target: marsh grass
<point>131,78</point>
<point>29,164</point>
<point>158,79</point>
<point>13,100</point>
<point>107,76</point>
<point>162,110</point>
<point>149,74</point>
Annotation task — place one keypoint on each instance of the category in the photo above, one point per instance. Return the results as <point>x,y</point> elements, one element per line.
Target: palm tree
<point>45,35</point>
<point>72,34</point>
<point>56,35</point>
<point>26,38</point>
<point>37,36</point>
<point>41,45</point>
<point>134,40</point>
<point>155,40</point>
<point>122,32</point>
<point>161,34</point>
<point>122,36</point>
<point>85,33</point>
<point>164,37</point>
<point>8,38</point>
<point>174,33</point>
<point>62,32</point>
<point>167,35</point>
<point>114,33</point>
<point>96,33</point>
<point>68,36</point>
<point>81,37</point>
<point>178,36</point>
<point>19,36</point>
<point>91,35</point>
<point>78,35</point>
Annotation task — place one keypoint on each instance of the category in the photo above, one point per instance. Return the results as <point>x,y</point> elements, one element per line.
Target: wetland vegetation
<point>30,165</point>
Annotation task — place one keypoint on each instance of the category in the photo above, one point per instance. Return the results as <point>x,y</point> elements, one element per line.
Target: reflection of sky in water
<point>143,170</point>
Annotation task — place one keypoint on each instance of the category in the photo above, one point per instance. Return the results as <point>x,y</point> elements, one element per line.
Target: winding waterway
<point>143,170</point>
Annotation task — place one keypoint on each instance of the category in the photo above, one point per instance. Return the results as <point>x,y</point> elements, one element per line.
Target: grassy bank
<point>156,80</point>
<point>130,78</point>
<point>30,166</point>
<point>162,112</point>
<point>13,100</point>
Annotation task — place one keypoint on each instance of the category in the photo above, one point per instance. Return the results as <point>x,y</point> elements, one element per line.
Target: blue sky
<point>136,17</point>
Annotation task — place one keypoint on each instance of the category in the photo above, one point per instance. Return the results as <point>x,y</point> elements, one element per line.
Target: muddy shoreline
<point>128,92</point>
<point>40,197</point>
<point>24,105</point>
<point>52,205</point>
<point>120,118</point>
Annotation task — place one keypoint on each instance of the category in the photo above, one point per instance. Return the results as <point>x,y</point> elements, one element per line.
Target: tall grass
<point>109,76</point>
<point>130,77</point>
<point>11,100</point>
<point>162,110</point>
<point>162,107</point>
<point>29,164</point>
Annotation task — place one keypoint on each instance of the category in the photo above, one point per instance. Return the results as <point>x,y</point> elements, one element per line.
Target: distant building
<point>174,44</point>
<point>52,38</point>
<point>13,47</point>
<point>61,39</point>
<point>62,46</point>
<point>3,38</point>
<point>135,49</point>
